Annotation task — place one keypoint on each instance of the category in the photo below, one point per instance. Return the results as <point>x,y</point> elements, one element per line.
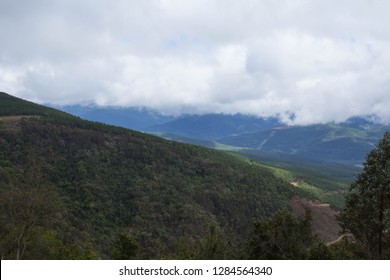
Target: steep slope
<point>76,185</point>
<point>11,106</point>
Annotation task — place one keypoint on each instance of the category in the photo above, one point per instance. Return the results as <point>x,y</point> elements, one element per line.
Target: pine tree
<point>367,212</point>
<point>285,237</point>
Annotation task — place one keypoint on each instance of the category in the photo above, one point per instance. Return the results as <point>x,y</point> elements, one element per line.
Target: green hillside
<point>71,189</point>
<point>11,106</point>
<point>328,143</point>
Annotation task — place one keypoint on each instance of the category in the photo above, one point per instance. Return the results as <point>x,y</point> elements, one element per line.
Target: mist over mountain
<point>324,61</point>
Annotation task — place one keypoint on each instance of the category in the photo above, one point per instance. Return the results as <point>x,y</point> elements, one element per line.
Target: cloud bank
<point>305,61</point>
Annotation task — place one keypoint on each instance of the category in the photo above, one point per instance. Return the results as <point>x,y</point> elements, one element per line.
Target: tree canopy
<point>367,212</point>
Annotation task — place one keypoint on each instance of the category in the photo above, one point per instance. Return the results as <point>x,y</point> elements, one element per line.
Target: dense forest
<point>72,188</point>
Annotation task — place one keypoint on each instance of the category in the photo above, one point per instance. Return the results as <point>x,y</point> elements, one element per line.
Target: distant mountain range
<point>215,126</point>
<point>337,143</point>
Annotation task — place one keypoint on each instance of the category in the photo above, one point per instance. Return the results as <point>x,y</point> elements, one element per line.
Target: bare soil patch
<point>324,222</point>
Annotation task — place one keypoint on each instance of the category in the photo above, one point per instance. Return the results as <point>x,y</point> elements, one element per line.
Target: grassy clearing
<point>313,185</point>
<point>223,147</point>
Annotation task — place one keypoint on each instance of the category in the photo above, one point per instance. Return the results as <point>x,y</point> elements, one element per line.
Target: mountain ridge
<point>256,133</point>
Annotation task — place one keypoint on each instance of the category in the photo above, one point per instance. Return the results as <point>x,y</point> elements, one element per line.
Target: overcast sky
<point>319,60</point>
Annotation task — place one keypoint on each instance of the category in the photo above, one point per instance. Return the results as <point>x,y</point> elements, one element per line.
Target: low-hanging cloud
<point>317,61</point>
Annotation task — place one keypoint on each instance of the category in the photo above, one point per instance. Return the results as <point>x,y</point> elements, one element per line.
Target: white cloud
<point>10,80</point>
<point>318,60</point>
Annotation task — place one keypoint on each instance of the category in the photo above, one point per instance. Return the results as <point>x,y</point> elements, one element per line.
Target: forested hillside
<point>345,143</point>
<point>76,189</point>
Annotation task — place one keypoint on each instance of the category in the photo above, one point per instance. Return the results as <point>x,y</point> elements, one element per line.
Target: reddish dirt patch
<point>324,222</point>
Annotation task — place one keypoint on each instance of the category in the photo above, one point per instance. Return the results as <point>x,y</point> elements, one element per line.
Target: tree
<point>28,210</point>
<point>285,237</point>
<point>367,212</point>
<point>214,245</point>
<point>24,209</point>
<point>125,247</point>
